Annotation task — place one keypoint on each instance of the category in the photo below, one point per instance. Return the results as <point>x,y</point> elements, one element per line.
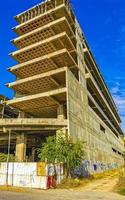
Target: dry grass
<point>122,178</point>
<point>107,174</point>
<point>73,183</point>
<point>14,189</point>
<point>120,187</point>
<point>77,183</point>
<point>121,191</point>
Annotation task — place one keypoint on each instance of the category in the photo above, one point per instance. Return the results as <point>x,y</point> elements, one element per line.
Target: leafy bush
<point>60,149</point>
<point>3,157</point>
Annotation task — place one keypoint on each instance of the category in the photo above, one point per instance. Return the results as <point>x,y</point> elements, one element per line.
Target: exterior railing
<point>41,9</point>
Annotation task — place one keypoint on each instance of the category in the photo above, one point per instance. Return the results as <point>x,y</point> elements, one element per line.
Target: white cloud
<point>118,92</point>
<point>115,89</point>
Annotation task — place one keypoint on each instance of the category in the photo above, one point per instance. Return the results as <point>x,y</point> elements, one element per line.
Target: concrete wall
<point>77,108</point>
<point>100,144</point>
<point>84,124</point>
<point>33,175</point>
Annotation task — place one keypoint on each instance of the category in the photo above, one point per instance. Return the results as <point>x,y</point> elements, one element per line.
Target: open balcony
<point>42,105</point>
<point>45,63</point>
<point>44,82</point>
<point>33,19</point>
<point>44,32</point>
<point>44,47</point>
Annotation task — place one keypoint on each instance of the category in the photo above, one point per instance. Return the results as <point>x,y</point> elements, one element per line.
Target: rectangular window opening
<point>102,128</point>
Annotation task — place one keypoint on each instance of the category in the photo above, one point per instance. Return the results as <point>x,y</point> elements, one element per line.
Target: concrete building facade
<point>6,112</point>
<point>59,87</point>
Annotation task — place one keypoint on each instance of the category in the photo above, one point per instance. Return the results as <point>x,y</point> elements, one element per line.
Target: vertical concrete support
<point>60,112</point>
<point>33,154</point>
<point>21,114</point>
<point>21,147</point>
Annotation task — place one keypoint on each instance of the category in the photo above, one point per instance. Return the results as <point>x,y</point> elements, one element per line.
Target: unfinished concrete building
<point>59,86</point>
<point>6,112</point>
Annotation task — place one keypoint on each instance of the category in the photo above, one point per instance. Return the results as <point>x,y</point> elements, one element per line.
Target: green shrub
<point>61,149</point>
<point>3,157</point>
<point>121,191</point>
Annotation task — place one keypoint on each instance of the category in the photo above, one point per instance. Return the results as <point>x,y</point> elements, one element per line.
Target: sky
<point>103,23</point>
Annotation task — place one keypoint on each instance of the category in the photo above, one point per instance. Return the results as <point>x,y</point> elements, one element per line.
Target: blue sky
<point>103,22</point>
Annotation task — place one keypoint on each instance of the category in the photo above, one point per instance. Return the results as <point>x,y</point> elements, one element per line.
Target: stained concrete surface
<point>60,195</point>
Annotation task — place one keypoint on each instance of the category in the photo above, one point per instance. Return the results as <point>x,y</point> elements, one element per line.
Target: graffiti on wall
<point>33,175</point>
<point>90,167</point>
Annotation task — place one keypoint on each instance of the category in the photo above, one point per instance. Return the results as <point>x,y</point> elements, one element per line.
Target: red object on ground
<point>51,182</point>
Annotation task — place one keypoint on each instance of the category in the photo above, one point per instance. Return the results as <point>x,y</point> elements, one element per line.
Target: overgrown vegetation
<point>3,157</point>
<point>121,191</point>
<point>107,174</point>
<point>73,183</point>
<point>60,149</point>
<point>81,182</point>
<point>120,187</point>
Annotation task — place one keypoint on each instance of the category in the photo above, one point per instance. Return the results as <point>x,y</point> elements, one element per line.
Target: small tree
<point>62,150</point>
<point>47,150</point>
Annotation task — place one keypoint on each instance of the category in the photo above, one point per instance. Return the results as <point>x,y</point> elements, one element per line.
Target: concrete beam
<point>57,59</point>
<point>36,96</point>
<point>22,55</point>
<point>5,138</point>
<point>60,10</point>
<point>59,25</point>
<point>37,17</point>
<point>38,76</point>
<point>32,122</point>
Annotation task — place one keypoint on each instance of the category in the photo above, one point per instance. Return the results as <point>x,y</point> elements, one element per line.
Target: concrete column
<point>21,114</point>
<point>33,154</point>
<point>60,112</point>
<point>21,147</point>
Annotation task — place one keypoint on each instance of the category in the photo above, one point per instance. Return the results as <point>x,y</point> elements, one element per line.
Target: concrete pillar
<point>21,147</point>
<point>33,154</point>
<point>61,112</point>
<point>21,114</point>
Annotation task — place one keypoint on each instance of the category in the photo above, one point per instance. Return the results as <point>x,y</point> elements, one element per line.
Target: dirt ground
<point>102,189</point>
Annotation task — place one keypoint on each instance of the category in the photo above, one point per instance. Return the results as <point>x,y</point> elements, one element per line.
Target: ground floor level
<point>24,145</point>
<point>100,154</point>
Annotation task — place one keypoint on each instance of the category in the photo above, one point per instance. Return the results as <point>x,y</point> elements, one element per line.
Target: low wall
<point>30,175</point>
